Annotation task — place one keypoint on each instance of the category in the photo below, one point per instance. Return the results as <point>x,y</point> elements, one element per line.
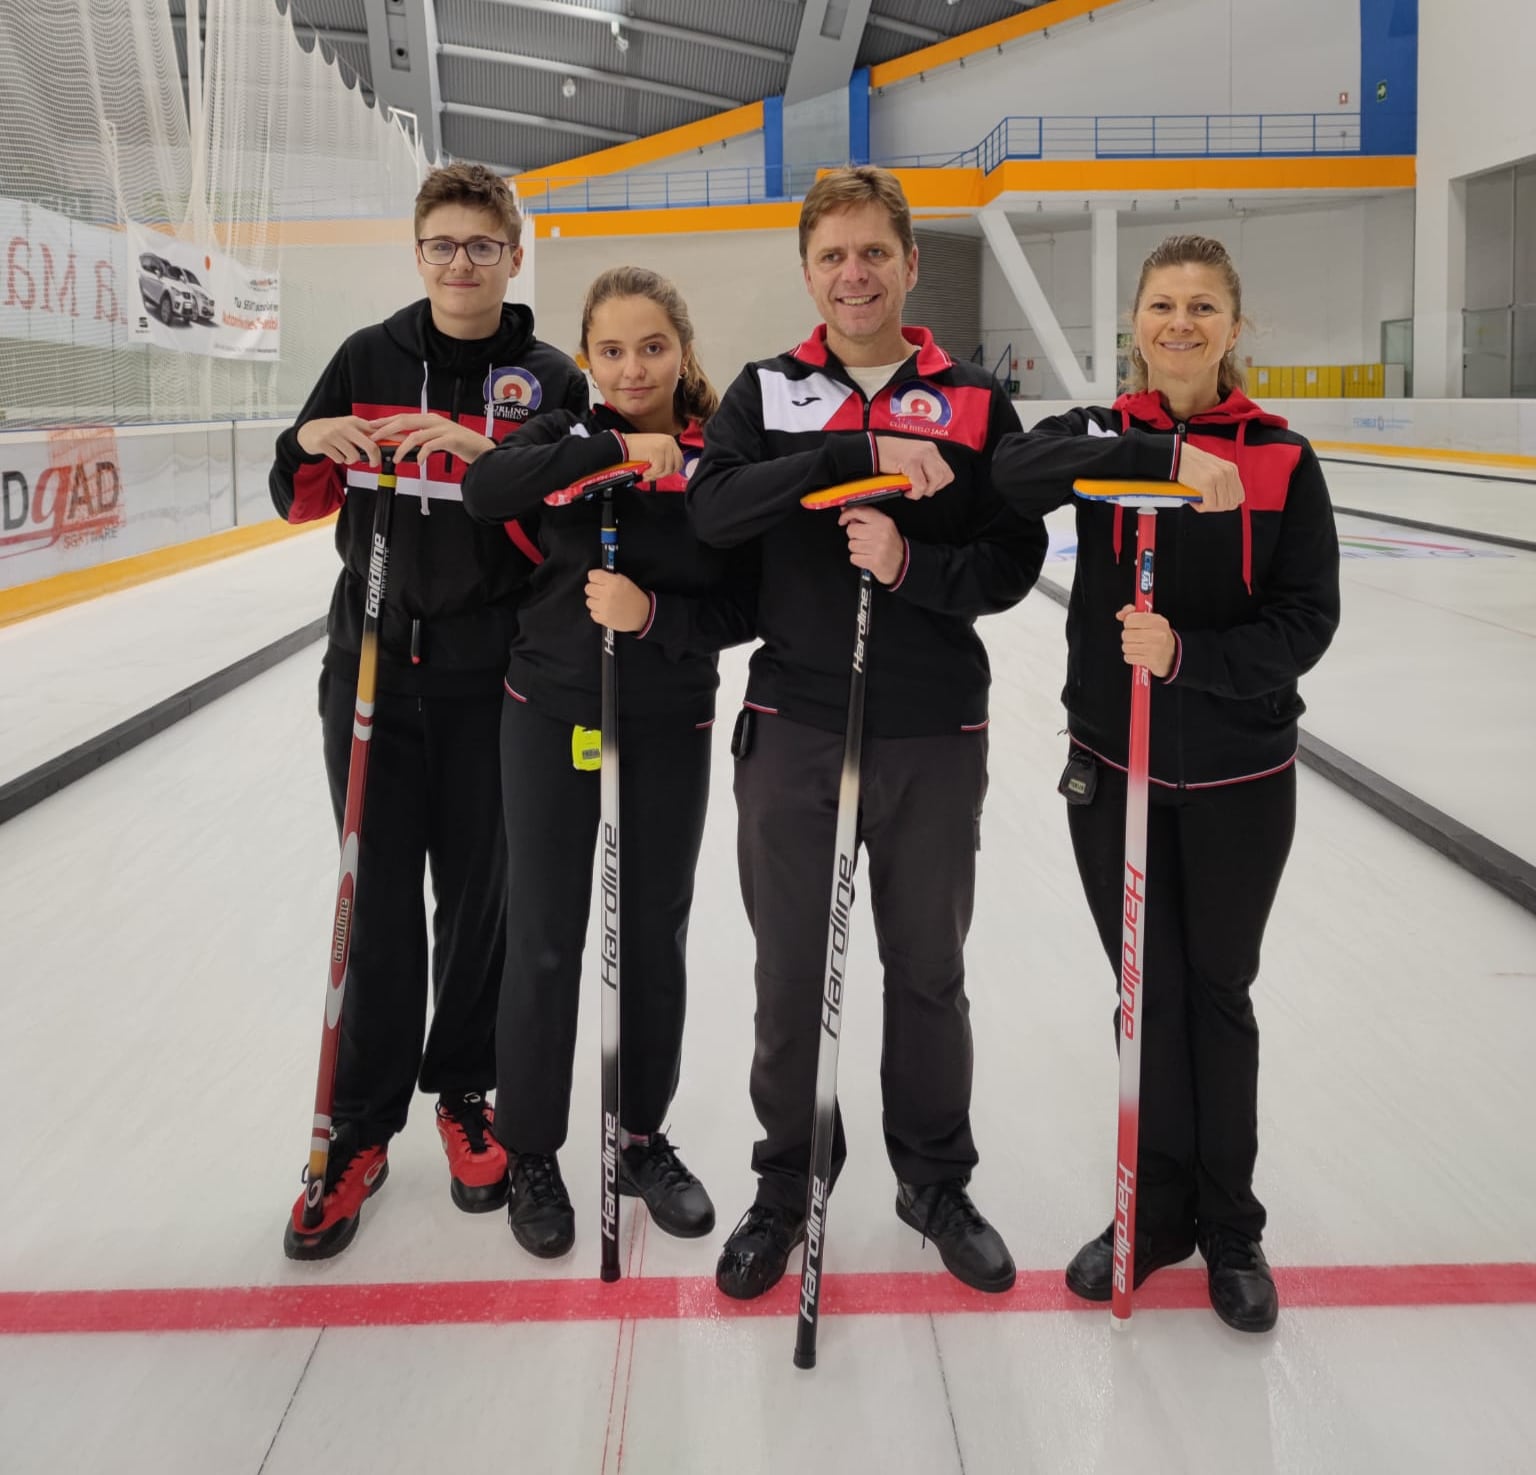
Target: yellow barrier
<point>1317,381</point>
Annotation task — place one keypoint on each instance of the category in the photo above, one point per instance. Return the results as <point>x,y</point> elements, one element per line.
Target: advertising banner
<point>62,279</point>
<point>199,301</point>
<point>90,286</point>
<point>73,498</point>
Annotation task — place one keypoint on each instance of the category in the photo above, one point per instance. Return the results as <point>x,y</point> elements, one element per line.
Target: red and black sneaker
<point>354,1172</point>
<point>477,1161</point>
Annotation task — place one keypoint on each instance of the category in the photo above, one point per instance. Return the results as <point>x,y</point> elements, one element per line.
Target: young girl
<point>677,603</point>
<point>1247,600</point>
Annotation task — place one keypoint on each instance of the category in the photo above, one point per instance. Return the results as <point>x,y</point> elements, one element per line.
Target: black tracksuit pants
<point>552,811</point>
<point>1214,861</point>
<point>919,822</point>
<point>433,802</point>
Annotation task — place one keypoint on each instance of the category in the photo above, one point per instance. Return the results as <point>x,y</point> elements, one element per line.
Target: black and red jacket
<point>798,423</point>
<point>702,600</point>
<point>457,581</point>
<point>1252,595</point>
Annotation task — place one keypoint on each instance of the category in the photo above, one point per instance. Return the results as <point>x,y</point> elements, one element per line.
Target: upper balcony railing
<point>1164,136</point>
<point>1129,136</point>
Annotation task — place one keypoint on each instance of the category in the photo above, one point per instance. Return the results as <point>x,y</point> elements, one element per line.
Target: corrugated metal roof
<point>762,22</point>
<point>880,44</point>
<point>580,43</point>
<point>949,20</point>
<point>345,15</point>
<point>510,145</point>
<point>490,85</point>
<point>673,60</point>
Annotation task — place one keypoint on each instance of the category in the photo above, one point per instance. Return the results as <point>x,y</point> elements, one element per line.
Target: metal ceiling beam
<point>402,62</point>
<point>830,32</point>
<point>649,27</point>
<point>504,115</point>
<point>590,74</point>
<point>904,28</point>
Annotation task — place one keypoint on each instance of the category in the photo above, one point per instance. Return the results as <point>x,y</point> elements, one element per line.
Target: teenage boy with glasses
<point>446,377</point>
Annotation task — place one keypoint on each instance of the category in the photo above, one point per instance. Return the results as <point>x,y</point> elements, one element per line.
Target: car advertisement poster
<point>183,297</point>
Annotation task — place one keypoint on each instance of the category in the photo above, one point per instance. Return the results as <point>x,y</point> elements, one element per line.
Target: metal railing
<point>1119,136</point>
<point>1169,136</point>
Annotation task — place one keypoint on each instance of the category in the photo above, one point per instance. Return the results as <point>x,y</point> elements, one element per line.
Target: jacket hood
<point>1151,408</point>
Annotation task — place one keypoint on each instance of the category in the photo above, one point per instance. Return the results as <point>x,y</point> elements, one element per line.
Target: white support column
<point>1106,310</point>
<point>1439,286</point>
<point>1031,297</point>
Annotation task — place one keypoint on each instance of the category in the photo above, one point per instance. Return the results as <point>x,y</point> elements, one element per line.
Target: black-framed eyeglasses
<point>441,250</point>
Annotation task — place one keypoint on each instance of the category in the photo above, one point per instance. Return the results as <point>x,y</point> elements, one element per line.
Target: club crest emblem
<point>919,401</point>
<point>512,394</point>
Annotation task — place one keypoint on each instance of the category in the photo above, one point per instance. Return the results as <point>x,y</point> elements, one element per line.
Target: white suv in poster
<point>173,293</point>
<point>185,288</point>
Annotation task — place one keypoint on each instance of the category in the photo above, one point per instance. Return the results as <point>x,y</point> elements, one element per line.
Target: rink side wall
<point>83,497</point>
<point>1476,427</point>
<point>86,498</point>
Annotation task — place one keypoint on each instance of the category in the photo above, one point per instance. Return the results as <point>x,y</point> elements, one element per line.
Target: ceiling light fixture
<point>568,87</point>
<point>619,38</point>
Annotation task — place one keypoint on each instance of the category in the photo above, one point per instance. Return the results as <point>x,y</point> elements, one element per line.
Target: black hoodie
<point>458,579</point>
<point>702,600</point>
<point>1252,595</point>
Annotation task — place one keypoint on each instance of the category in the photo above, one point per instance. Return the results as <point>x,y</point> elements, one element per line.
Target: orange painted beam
<point>984,38</point>
<point>714,129</point>
<point>1129,176</point>
<point>942,188</point>
<point>964,190</point>
<point>687,220</point>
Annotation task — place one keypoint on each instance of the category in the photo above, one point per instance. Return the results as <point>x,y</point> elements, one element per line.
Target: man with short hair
<point>446,378</point>
<point>865,395</point>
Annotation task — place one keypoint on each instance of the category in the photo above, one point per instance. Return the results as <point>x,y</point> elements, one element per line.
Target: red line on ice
<point>694,1298</point>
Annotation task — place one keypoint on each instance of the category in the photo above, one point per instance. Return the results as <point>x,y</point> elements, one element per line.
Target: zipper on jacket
<point>453,411</point>
<point>1181,429</point>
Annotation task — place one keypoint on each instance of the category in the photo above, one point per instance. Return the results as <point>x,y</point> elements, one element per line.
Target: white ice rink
<point>160,1002</point>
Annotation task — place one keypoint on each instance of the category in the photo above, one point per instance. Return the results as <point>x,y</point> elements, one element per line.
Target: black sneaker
<point>651,1170</point>
<point>538,1207</point>
<point>971,1249</point>
<point>1241,1285</point>
<point>755,1255</point>
<point>1091,1271</point>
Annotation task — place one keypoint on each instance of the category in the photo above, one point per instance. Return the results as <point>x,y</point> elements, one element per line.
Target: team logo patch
<point>690,463</point>
<point>513,394</point>
<point>921,401</point>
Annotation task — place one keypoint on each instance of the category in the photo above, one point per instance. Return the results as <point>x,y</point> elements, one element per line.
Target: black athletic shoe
<point>971,1249</point>
<point>755,1255</point>
<point>1091,1272</point>
<point>1242,1288</point>
<point>538,1207</point>
<point>652,1170</point>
